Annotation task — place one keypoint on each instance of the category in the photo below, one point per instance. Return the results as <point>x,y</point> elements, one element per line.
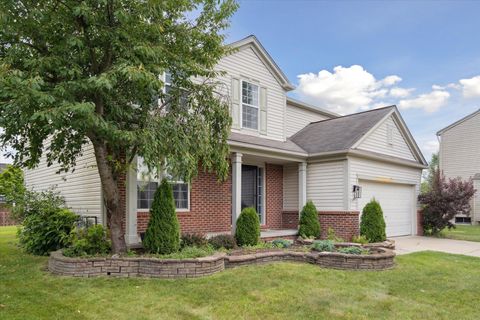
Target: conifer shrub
<point>372,224</point>
<point>309,224</point>
<point>247,232</point>
<point>163,232</point>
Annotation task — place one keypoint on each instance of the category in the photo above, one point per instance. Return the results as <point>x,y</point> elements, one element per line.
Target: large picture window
<point>147,184</point>
<point>249,105</point>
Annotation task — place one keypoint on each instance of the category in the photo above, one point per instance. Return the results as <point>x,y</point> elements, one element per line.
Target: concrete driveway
<point>404,245</point>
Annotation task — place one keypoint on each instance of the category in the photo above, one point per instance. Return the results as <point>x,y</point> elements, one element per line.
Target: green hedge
<point>163,232</point>
<point>247,232</point>
<point>372,224</point>
<point>309,224</point>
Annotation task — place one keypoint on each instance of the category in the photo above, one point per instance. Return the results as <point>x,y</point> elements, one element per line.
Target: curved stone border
<point>191,268</point>
<point>135,266</point>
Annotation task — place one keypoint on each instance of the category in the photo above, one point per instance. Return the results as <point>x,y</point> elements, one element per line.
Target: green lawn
<point>463,232</point>
<point>423,286</point>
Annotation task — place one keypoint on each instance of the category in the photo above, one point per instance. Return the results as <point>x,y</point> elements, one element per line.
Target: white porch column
<point>236,188</point>
<point>302,186</point>
<point>131,235</point>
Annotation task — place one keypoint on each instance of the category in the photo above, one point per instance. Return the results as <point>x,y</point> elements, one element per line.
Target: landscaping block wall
<point>344,223</point>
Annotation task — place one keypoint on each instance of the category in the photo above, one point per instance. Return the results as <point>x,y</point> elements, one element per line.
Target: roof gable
<point>456,123</point>
<point>253,43</point>
<point>338,134</point>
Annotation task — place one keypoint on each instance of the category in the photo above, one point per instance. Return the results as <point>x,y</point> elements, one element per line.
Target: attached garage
<point>397,201</point>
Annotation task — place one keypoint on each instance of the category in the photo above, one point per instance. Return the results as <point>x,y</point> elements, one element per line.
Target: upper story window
<point>249,105</point>
<point>148,184</point>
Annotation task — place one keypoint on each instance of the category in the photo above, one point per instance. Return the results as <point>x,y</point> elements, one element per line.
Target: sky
<point>350,56</point>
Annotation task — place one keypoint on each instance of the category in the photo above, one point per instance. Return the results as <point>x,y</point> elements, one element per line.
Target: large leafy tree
<point>11,185</point>
<point>429,174</point>
<point>76,72</point>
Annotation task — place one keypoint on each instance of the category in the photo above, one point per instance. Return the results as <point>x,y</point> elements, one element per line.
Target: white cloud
<point>345,90</point>
<point>398,92</point>
<point>430,102</point>
<point>470,87</point>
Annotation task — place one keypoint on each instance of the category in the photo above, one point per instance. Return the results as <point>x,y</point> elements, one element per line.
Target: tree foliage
<point>428,174</point>
<point>372,224</point>
<point>163,231</point>
<point>77,72</point>
<point>443,201</point>
<point>12,185</point>
<point>309,225</point>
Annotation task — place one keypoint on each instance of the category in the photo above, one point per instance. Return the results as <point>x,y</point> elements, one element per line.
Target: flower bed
<point>377,259</point>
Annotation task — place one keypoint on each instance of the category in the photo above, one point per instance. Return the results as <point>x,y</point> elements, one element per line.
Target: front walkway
<point>404,245</point>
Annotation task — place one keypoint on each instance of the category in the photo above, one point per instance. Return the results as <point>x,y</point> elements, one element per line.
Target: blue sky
<point>422,56</point>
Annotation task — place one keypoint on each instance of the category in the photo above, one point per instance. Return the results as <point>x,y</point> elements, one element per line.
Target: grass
<point>424,285</point>
<point>463,232</point>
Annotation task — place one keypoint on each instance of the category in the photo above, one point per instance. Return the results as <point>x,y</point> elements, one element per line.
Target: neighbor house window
<point>147,184</point>
<point>249,105</point>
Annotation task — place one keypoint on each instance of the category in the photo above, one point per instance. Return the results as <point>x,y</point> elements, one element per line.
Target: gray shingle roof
<point>338,133</point>
<point>280,145</point>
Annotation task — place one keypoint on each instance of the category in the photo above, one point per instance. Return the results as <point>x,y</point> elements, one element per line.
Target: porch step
<point>276,234</point>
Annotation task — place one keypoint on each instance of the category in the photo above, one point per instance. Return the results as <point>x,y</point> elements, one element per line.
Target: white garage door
<point>397,201</point>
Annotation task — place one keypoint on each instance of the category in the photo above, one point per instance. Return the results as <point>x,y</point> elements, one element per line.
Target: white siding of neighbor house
<point>326,183</point>
<point>290,187</point>
<point>246,65</point>
<point>81,189</point>
<point>378,171</point>
<point>459,154</point>
<point>476,201</point>
<point>378,142</point>
<point>298,118</point>
<point>460,149</point>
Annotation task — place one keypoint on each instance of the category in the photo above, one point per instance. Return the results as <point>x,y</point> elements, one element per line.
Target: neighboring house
<point>459,156</point>
<point>283,153</point>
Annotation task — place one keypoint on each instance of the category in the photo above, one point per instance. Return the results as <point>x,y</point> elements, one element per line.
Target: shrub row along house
<point>283,153</point>
<point>459,156</point>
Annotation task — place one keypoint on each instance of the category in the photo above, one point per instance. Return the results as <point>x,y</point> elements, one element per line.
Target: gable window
<point>148,184</point>
<point>249,105</point>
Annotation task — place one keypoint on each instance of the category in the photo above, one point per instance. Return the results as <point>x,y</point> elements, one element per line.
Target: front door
<point>252,189</point>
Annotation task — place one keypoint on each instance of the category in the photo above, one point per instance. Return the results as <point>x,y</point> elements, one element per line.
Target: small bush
<point>359,239</point>
<point>189,253</point>
<point>372,224</point>
<point>332,236</point>
<point>163,231</point>
<point>247,232</point>
<point>309,224</point>
<point>193,240</point>
<point>281,243</point>
<point>323,246</point>
<point>46,230</point>
<point>89,241</point>
<point>226,241</point>
<point>351,250</point>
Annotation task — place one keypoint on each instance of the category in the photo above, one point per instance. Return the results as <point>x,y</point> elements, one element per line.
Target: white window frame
<point>159,180</point>
<point>250,105</point>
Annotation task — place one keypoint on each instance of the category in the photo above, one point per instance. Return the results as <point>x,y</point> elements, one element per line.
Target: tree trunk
<point>111,197</point>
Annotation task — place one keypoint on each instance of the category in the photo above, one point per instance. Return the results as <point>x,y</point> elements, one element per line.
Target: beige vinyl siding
<point>297,118</point>
<point>326,184</point>
<point>290,187</point>
<point>371,170</point>
<point>460,149</point>
<point>246,65</point>
<point>81,189</point>
<point>378,142</point>
<point>476,202</point>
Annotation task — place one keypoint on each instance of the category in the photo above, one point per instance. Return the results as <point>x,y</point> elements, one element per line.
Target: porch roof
<point>287,145</point>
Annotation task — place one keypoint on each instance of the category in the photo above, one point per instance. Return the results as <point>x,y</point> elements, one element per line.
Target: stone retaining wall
<point>135,267</point>
<point>199,267</point>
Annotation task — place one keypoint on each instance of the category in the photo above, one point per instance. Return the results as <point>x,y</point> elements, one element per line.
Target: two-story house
<point>283,153</point>
<point>459,156</point>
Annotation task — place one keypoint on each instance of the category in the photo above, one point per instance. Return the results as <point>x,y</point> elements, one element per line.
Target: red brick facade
<point>344,223</point>
<point>210,207</point>
<point>274,195</point>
